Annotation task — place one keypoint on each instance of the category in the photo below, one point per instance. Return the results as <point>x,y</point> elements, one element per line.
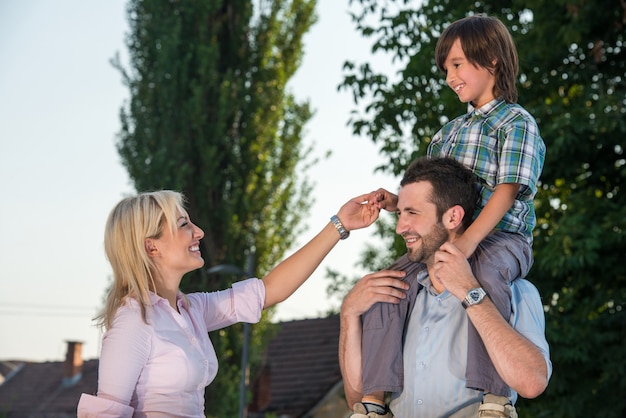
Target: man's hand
<point>382,286</point>
<point>452,271</point>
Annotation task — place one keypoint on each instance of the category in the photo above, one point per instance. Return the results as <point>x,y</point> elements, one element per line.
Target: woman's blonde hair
<point>130,223</point>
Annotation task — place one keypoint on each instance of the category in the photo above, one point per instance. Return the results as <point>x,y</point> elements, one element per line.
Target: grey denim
<point>498,260</point>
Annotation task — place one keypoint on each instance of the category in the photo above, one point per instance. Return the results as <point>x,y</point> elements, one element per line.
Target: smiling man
<point>435,205</point>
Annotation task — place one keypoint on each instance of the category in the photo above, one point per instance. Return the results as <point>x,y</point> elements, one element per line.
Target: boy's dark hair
<point>452,184</point>
<point>484,39</point>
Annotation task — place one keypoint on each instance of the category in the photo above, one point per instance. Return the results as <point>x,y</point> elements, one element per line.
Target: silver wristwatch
<point>473,297</point>
<point>343,232</point>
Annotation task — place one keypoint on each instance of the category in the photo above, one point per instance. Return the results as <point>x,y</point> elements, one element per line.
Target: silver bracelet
<point>343,232</point>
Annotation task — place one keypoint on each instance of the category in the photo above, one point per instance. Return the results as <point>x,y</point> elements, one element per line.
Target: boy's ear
<point>453,217</point>
<point>150,246</point>
<point>492,69</point>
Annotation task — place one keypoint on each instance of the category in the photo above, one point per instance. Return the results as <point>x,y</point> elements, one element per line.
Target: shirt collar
<point>422,276</point>
<point>155,299</point>
<point>485,109</point>
<point>424,279</point>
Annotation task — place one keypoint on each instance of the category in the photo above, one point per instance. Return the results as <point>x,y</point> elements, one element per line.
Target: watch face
<point>473,297</point>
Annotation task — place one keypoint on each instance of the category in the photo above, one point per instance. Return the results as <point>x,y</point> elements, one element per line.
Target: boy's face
<point>471,83</point>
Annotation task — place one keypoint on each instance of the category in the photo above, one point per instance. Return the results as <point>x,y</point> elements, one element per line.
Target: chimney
<point>73,367</point>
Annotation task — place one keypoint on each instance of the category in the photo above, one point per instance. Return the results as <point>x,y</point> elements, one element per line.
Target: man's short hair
<point>452,183</point>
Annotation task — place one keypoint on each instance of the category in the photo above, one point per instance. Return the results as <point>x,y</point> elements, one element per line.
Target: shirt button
<point>419,402</point>
<point>206,362</point>
<point>426,329</point>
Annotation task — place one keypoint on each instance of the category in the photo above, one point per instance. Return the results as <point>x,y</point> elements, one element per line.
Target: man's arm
<point>382,286</point>
<point>350,357</point>
<point>518,361</point>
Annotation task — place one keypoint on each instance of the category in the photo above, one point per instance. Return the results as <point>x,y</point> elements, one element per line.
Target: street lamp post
<point>230,269</point>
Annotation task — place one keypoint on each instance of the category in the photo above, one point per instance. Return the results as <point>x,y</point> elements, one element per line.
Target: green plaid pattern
<point>500,143</point>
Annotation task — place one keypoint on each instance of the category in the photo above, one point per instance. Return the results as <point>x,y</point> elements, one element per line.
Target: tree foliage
<point>572,79</point>
<point>209,115</point>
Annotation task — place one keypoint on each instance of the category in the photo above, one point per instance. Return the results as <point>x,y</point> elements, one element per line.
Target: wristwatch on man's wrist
<point>474,297</point>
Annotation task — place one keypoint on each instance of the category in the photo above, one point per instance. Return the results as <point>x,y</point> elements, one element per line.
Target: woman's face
<point>179,252</point>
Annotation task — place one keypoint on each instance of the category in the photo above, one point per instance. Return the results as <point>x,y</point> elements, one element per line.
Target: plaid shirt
<point>500,143</point>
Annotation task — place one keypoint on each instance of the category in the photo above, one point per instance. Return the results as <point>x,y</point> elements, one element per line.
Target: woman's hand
<point>362,211</point>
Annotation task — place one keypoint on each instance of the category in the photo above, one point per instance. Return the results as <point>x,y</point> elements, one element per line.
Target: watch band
<point>343,232</point>
<point>474,297</point>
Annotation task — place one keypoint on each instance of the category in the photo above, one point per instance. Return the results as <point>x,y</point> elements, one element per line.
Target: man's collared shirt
<point>435,351</point>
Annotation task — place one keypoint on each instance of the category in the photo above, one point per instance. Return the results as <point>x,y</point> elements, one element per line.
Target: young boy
<point>499,141</point>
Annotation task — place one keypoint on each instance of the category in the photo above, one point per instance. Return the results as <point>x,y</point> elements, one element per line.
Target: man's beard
<point>430,244</point>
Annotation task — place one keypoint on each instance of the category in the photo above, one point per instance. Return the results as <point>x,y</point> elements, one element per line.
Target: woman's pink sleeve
<point>90,406</point>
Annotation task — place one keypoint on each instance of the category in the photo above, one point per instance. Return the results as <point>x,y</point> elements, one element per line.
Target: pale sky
<point>59,116</point>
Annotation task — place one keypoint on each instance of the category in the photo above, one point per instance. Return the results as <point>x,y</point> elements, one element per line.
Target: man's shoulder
<point>525,289</point>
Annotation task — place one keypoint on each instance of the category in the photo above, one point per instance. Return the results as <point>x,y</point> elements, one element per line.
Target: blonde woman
<point>156,356</point>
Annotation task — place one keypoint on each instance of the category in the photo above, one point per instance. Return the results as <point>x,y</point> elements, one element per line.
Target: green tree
<point>209,115</point>
<point>572,79</point>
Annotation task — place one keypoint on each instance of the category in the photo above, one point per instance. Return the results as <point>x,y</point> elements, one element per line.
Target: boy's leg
<point>499,259</point>
<point>383,328</point>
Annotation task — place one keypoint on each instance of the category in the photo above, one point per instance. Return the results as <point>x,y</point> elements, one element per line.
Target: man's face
<point>418,223</point>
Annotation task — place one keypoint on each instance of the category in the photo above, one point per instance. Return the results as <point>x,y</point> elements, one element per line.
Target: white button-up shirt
<point>161,368</point>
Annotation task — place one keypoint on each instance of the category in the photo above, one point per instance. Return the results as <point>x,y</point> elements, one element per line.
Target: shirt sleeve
<point>241,303</point>
<point>528,317</point>
<point>90,406</point>
<point>523,153</point>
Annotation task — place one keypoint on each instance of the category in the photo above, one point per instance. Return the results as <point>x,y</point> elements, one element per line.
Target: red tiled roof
<point>301,367</point>
<point>38,387</point>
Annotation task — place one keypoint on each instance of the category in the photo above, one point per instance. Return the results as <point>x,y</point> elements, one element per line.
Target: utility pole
<point>248,273</point>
